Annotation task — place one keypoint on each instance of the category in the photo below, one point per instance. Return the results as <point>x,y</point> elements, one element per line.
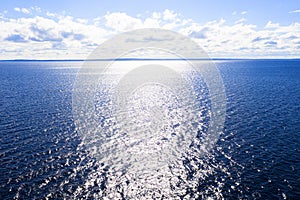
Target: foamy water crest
<point>150,124</point>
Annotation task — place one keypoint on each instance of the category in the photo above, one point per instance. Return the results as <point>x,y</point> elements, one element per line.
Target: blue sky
<point>59,29</point>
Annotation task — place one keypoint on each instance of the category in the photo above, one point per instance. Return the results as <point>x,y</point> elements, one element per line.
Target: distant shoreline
<point>144,59</point>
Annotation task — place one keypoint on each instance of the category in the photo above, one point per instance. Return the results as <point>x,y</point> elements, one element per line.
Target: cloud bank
<point>40,34</point>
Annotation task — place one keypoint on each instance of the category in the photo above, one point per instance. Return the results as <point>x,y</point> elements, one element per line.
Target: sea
<point>45,155</point>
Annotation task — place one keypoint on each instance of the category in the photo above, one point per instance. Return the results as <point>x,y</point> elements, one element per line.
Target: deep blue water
<point>257,156</point>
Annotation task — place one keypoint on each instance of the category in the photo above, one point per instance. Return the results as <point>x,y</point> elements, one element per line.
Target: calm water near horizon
<point>256,157</point>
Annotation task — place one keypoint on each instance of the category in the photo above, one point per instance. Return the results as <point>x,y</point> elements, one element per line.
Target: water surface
<point>256,157</point>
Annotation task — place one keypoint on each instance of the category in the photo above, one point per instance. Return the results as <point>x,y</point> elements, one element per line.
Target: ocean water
<point>257,156</point>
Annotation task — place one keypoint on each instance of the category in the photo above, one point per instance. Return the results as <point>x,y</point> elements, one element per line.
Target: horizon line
<point>141,59</point>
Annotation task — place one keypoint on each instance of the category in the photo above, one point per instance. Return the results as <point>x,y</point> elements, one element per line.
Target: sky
<point>56,29</point>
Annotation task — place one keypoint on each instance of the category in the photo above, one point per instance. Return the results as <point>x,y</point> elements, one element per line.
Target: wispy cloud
<point>23,10</point>
<point>239,13</point>
<point>242,20</point>
<point>295,11</point>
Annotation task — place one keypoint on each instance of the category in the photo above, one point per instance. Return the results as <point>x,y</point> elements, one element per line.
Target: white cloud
<point>122,22</point>
<point>242,20</point>
<point>295,11</point>
<point>17,9</point>
<point>152,22</point>
<point>169,15</point>
<point>36,9</point>
<point>156,15</point>
<point>56,36</point>
<point>270,24</point>
<point>62,37</point>
<point>244,13</point>
<point>23,10</point>
<point>50,14</point>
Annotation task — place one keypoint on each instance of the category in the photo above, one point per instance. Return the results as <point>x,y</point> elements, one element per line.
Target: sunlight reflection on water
<point>149,122</point>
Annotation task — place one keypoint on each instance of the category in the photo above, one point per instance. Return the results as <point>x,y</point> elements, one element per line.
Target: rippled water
<point>257,156</point>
